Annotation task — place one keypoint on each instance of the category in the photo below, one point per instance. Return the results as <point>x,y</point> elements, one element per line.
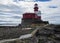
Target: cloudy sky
<point>11,10</point>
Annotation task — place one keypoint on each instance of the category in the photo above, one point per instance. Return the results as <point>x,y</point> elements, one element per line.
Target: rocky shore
<point>49,33</point>
<point>9,32</point>
<point>12,32</point>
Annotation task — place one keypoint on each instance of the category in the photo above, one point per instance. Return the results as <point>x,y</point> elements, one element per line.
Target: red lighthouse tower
<point>36,11</point>
<point>36,8</point>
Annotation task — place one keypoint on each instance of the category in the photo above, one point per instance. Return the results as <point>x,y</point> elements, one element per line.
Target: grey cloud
<point>14,12</point>
<point>3,15</point>
<point>42,0</point>
<point>16,17</point>
<point>31,0</point>
<point>53,6</point>
<point>11,7</point>
<point>14,9</point>
<point>4,21</point>
<point>3,6</point>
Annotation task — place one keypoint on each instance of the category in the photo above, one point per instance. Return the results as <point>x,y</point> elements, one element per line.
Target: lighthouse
<point>32,18</point>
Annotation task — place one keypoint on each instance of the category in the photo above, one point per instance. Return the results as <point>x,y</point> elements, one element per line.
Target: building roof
<point>29,13</point>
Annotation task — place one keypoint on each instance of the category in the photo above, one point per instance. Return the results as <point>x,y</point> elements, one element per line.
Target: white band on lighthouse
<point>36,12</point>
